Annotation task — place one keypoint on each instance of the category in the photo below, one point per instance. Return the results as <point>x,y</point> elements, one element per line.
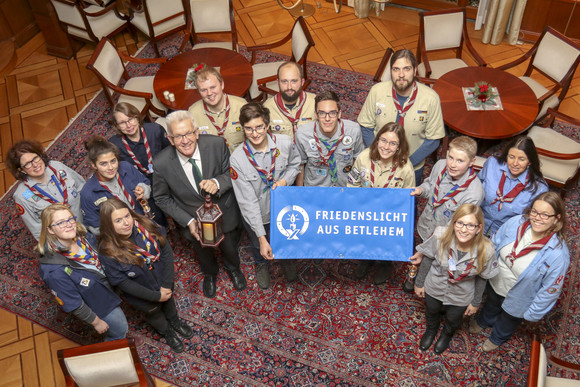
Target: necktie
<point>196,174</point>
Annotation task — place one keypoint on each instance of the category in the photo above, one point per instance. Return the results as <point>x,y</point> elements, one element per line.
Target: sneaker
<point>173,341</point>
<point>263,275</point>
<point>289,269</point>
<point>182,328</point>
<point>383,272</point>
<point>362,269</point>
<point>474,327</point>
<point>488,346</point>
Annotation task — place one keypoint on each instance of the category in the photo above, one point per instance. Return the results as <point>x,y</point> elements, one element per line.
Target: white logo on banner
<point>292,221</point>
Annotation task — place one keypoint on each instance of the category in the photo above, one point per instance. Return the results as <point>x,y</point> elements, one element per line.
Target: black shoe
<point>182,328</point>
<point>209,286</point>
<point>238,279</point>
<point>362,268</point>
<point>427,339</point>
<point>442,343</point>
<point>173,341</point>
<point>409,286</point>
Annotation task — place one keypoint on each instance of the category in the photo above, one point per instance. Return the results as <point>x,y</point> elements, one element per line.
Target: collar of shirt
<point>184,160</point>
<point>521,178</point>
<point>323,136</point>
<point>271,145</point>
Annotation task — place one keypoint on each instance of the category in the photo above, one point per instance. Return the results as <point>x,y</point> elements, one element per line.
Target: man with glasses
<point>292,106</point>
<point>263,162</point>
<point>327,146</point>
<point>197,165</point>
<point>414,106</point>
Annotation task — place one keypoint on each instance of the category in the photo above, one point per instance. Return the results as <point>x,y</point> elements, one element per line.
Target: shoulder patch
<point>233,173</point>
<point>100,200</point>
<point>19,209</point>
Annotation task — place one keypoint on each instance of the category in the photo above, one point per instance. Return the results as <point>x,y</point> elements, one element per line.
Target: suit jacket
<point>178,199</point>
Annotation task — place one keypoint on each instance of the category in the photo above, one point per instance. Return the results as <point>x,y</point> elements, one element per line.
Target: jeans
<point>492,315</point>
<point>255,243</point>
<point>117,325</point>
<point>419,176</point>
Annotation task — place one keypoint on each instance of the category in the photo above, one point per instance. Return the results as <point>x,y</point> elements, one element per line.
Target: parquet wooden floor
<point>43,93</point>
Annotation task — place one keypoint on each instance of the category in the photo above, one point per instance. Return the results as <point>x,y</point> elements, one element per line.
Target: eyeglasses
<point>123,124</point>
<point>258,129</point>
<point>63,223</point>
<point>323,114</point>
<point>34,161</point>
<point>181,137</point>
<point>384,142</point>
<point>469,226</point>
<point>541,215</point>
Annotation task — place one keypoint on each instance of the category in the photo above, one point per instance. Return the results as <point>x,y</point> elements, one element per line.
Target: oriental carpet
<point>325,329</point>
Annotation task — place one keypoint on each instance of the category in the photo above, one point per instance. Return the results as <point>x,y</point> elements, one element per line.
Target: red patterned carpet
<point>326,329</point>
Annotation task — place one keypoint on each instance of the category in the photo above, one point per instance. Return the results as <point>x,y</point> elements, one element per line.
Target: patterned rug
<point>325,329</point>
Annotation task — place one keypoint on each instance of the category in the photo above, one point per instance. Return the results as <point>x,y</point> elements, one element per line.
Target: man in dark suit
<point>199,164</point>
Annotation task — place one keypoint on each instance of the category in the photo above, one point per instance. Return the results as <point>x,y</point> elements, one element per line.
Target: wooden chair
<point>111,363</point>
<point>159,19</point>
<point>555,57</point>
<point>211,16</point>
<point>108,65</point>
<point>537,373</point>
<point>265,78</point>
<point>443,30</point>
<point>89,24</point>
<point>383,73</point>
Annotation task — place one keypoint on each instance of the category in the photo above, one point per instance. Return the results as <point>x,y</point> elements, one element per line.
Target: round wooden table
<point>235,70</point>
<point>520,105</point>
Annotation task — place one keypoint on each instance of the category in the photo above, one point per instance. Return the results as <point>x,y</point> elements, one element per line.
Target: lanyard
<point>60,184</point>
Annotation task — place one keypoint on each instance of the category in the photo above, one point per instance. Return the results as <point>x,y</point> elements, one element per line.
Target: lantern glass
<point>210,217</point>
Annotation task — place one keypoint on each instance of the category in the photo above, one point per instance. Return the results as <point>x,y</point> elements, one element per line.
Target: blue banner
<point>342,223</point>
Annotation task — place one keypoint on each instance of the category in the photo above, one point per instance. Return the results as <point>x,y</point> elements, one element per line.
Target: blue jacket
<point>490,176</point>
<point>93,194</point>
<point>540,284</point>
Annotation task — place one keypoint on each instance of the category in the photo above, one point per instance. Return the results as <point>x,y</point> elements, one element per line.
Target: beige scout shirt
<point>234,133</point>
<point>280,124</point>
<point>360,175</point>
<point>423,121</point>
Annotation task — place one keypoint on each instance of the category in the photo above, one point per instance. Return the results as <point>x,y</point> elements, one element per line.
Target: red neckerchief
<point>510,195</point>
<point>393,169</point>
<point>127,195</point>
<point>147,149</point>
<point>90,258</point>
<point>43,195</point>
<point>452,279</point>
<point>454,191</point>
<point>403,111</point>
<point>299,105</point>
<point>537,245</point>
<point>220,129</point>
<point>148,258</point>
<point>266,176</point>
<point>324,158</point>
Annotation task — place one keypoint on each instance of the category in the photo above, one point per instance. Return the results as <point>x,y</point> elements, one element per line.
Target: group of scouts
<point>108,234</point>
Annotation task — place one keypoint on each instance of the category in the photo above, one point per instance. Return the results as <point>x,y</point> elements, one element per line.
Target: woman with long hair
<point>139,261</point>
<point>458,260</point>
<point>42,182</point>
<point>532,259</point>
<point>385,164</point>
<point>71,267</point>
<point>510,180</point>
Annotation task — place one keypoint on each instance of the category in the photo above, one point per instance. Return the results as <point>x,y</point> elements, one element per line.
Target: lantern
<point>210,217</point>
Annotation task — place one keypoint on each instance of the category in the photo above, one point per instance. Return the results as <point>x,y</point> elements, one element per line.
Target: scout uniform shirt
<point>360,175</point>
<point>318,173</point>
<point>280,124</point>
<point>423,121</point>
<point>440,216</point>
<point>233,132</point>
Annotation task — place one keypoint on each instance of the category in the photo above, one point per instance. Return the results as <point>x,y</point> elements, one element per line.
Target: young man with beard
<point>413,105</point>
<point>217,112</point>
<point>292,106</point>
<point>263,162</point>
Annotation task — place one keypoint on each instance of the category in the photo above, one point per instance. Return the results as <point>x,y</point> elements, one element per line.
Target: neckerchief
<point>402,111</point>
<point>452,279</point>
<point>89,258</point>
<point>127,195</point>
<point>454,191</point>
<point>393,169</point>
<point>147,256</point>
<point>266,176</point>
<point>299,105</point>
<point>328,159</point>
<point>537,245</point>
<point>510,196</point>
<point>134,158</point>
<point>56,178</point>
<point>220,129</point>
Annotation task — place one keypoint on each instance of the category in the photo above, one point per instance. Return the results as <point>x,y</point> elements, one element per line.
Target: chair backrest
<point>301,40</point>
<point>69,14</point>
<point>210,16</point>
<point>383,73</point>
<point>557,56</point>
<point>164,16</point>
<point>110,363</point>
<point>107,65</point>
<point>442,30</point>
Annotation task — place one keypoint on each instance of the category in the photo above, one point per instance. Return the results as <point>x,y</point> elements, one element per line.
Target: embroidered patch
<point>233,173</point>
<point>347,169</point>
<point>19,209</point>
<point>277,152</point>
<point>85,282</point>
<point>552,290</point>
<point>559,280</point>
<point>62,173</point>
<point>347,140</point>
<point>100,200</point>
<point>68,270</point>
